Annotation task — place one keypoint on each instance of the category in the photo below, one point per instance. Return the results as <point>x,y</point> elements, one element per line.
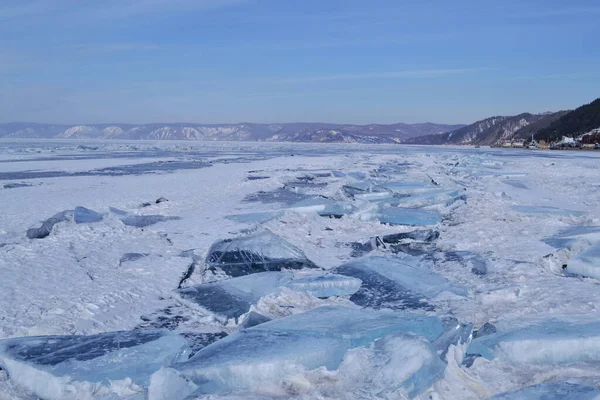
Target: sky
<point>344,61</point>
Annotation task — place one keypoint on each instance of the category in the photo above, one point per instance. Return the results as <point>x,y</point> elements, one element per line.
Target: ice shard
<point>82,215</point>
<point>396,282</point>
<point>47,226</point>
<point>231,298</point>
<point>326,285</point>
<point>258,252</point>
<point>549,342</point>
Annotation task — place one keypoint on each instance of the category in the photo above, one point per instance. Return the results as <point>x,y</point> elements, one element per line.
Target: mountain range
<point>550,126</point>
<point>286,132</point>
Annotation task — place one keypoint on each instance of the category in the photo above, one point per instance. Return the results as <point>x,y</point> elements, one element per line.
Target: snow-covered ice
<point>505,266</point>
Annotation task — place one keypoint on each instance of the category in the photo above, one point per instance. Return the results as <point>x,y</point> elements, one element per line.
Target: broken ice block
<point>569,236</point>
<point>257,217</point>
<point>326,285</point>
<point>83,215</point>
<point>258,252</point>
<point>397,282</point>
<point>552,391</point>
<point>355,188</point>
<point>46,228</point>
<point>546,210</point>
<point>253,319</point>
<point>550,342</point>
<point>269,352</point>
<point>142,221</point>
<point>407,188</point>
<point>402,216</point>
<point>586,263</point>
<point>231,298</point>
<point>76,367</point>
<point>322,206</point>
<point>415,242</point>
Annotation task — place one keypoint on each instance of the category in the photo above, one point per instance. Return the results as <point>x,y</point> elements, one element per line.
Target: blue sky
<point>352,61</point>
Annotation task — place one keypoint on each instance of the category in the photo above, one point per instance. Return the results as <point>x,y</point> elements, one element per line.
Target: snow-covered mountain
<point>288,132</point>
<point>491,130</point>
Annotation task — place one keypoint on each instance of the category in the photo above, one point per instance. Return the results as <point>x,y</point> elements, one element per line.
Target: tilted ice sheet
<point>84,367</point>
<point>396,282</point>
<point>326,285</point>
<point>257,252</point>
<point>547,342</point>
<point>231,298</point>
<point>586,263</point>
<point>269,352</point>
<point>552,391</point>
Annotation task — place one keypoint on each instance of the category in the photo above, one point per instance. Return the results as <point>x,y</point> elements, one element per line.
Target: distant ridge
<point>286,132</point>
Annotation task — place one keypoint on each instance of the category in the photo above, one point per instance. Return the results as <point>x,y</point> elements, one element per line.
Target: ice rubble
<point>552,391</point>
<point>586,263</point>
<point>86,367</point>
<point>231,298</point>
<point>396,282</point>
<point>82,215</point>
<point>547,342</point>
<point>274,350</point>
<point>47,226</point>
<point>257,252</point>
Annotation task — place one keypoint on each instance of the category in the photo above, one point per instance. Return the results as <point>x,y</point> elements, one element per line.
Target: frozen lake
<point>259,263</point>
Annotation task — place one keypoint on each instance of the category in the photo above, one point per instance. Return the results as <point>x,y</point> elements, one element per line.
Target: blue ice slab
<point>142,221</point>
<point>253,253</point>
<point>550,342</point>
<point>568,236</point>
<point>273,350</point>
<point>60,367</point>
<point>352,189</point>
<point>82,215</point>
<point>231,298</point>
<point>403,216</point>
<point>406,187</point>
<point>47,226</point>
<point>129,257</point>
<point>322,206</point>
<point>586,263</point>
<point>546,210</point>
<point>257,217</point>
<point>253,319</point>
<point>552,391</point>
<point>396,282</point>
<point>515,183</point>
<point>426,198</point>
<point>326,285</point>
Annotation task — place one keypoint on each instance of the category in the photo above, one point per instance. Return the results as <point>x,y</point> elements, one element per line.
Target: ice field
<point>195,270</point>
